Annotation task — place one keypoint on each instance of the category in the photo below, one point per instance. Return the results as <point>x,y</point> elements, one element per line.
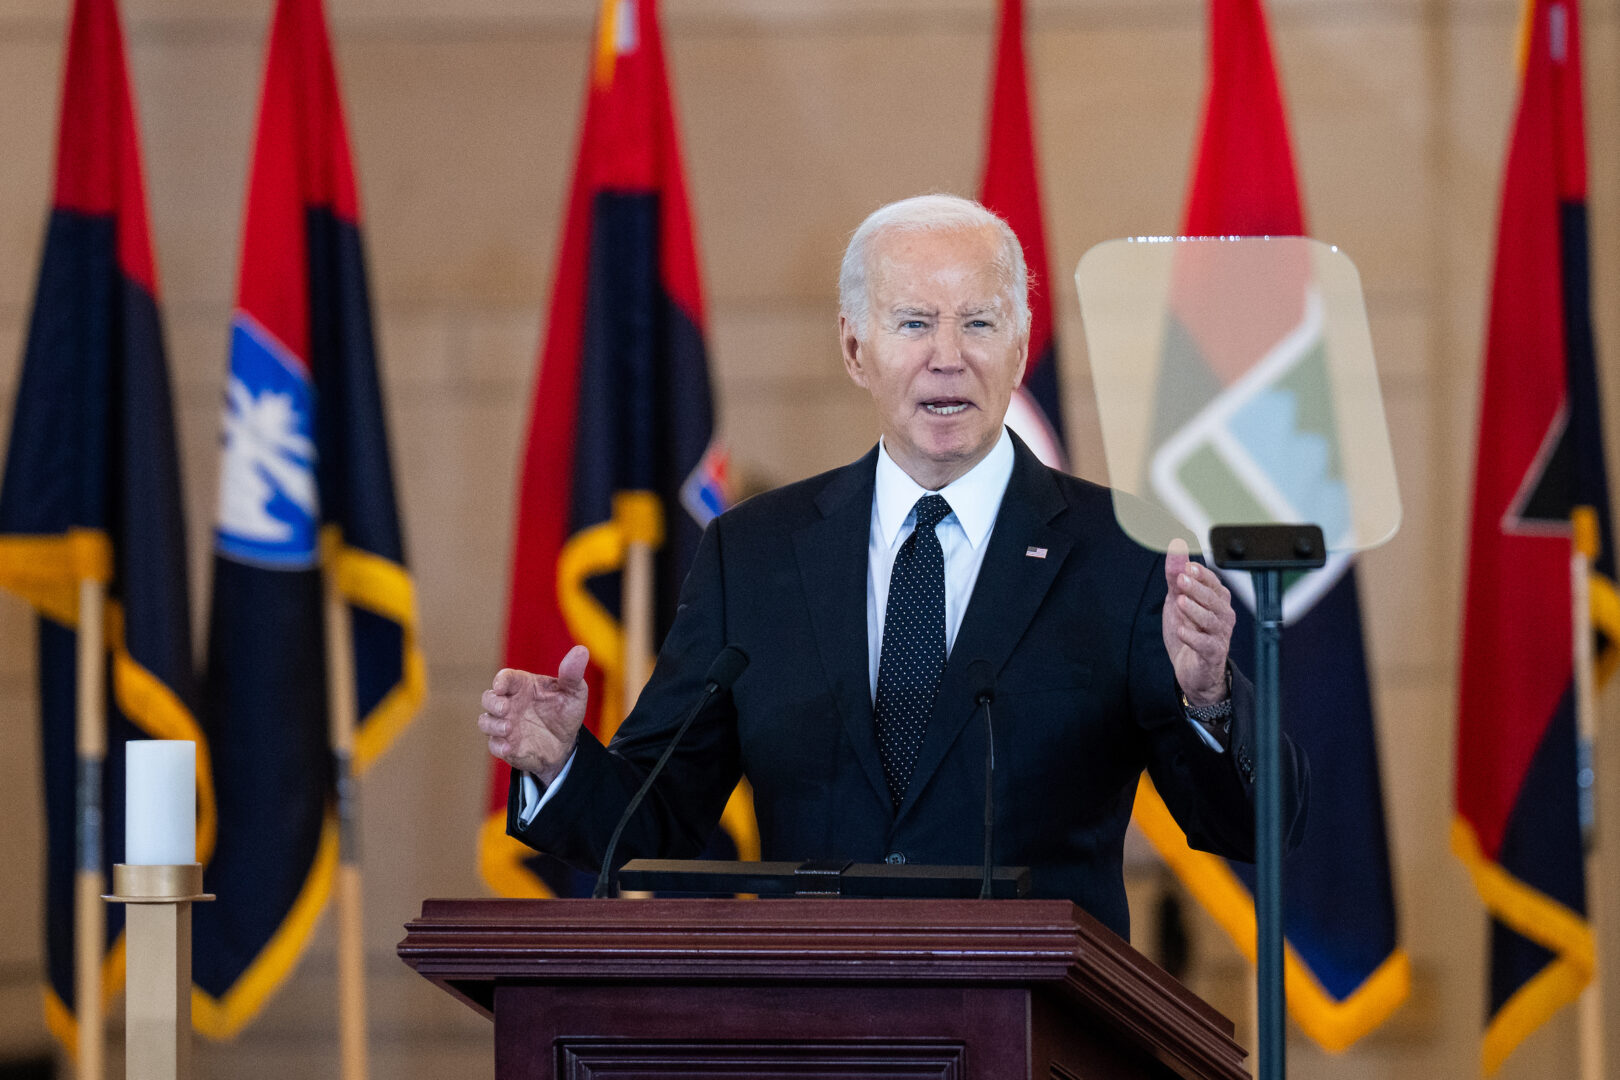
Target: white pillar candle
<point>160,802</point>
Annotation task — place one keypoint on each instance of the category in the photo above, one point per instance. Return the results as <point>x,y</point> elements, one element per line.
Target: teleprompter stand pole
<point>1266,552</point>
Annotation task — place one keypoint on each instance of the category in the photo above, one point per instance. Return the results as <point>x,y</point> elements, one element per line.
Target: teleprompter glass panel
<point>1236,385</point>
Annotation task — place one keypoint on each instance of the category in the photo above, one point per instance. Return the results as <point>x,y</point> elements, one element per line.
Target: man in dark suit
<point>864,596</point>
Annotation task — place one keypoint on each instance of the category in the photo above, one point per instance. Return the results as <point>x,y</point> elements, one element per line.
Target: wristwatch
<point>1216,715</point>
<point>1209,715</point>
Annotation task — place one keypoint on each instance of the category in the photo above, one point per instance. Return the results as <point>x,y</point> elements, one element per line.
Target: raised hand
<point>532,721</point>
<point>1198,621</point>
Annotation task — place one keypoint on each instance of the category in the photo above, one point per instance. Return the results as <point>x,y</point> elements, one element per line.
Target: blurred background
<point>798,117</point>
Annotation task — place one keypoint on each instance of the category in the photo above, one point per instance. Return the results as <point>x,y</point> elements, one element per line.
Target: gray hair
<point>927,213</point>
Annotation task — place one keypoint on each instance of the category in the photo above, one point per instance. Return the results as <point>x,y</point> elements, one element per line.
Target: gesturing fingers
<point>1199,615</point>
<point>1211,645</point>
<point>1175,560</point>
<point>571,672</point>
<point>509,681</point>
<point>1202,584</point>
<point>531,721</point>
<point>1198,623</point>
<point>1200,590</point>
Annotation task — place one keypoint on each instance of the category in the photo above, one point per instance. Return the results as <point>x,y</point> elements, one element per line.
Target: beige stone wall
<point>798,118</point>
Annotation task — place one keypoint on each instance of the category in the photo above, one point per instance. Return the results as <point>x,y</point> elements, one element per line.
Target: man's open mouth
<point>945,407</point>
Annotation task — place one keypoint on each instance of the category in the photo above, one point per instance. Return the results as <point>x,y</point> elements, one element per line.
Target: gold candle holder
<point>157,940</point>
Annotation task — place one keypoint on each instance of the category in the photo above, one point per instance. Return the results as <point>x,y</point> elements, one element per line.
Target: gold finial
<point>607,39</point>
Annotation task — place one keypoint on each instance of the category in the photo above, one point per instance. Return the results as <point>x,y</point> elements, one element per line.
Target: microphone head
<point>726,668</point>
<point>982,678</point>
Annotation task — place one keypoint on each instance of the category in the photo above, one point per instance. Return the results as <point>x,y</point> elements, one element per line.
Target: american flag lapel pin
<point>1035,553</point>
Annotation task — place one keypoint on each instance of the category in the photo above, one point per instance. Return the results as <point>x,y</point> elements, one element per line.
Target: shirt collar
<point>975,496</point>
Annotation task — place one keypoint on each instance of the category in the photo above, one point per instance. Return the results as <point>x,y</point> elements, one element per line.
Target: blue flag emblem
<point>269,507</point>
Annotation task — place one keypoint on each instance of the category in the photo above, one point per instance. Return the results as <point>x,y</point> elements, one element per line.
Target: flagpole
<point>1583,549</point>
<point>638,619</point>
<point>1251,1018</point>
<point>340,698</point>
<point>637,601</point>
<point>89,936</point>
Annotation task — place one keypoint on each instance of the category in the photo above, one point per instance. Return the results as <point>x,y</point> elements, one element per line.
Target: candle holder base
<point>157,884</point>
<point>157,935</point>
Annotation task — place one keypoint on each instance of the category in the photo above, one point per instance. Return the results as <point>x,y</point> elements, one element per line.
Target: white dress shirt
<point>964,534</point>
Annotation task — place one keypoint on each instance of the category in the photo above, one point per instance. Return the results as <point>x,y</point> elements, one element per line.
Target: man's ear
<point>850,345</point>
<point>1023,361</point>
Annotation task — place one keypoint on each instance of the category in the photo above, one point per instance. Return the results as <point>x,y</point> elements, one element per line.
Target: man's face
<point>943,349</point>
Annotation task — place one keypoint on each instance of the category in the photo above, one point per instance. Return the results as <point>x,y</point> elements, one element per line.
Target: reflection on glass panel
<point>1235,384</point>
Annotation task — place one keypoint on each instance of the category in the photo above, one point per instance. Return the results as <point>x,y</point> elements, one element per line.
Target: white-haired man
<point>864,598</point>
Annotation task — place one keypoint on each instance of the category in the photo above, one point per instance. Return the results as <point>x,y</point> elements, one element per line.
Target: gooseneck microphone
<point>982,677</point>
<point>722,674</point>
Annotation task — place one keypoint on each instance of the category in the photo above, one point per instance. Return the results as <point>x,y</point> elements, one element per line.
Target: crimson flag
<point>1012,189</point>
<point>1345,971</point>
<point>92,491</point>
<point>620,448</point>
<point>1539,484</point>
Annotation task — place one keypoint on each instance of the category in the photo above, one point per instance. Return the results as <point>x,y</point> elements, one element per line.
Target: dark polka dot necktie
<point>913,653</point>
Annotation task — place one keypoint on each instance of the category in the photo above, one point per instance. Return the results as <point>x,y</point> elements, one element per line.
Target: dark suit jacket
<point>1085,700</point>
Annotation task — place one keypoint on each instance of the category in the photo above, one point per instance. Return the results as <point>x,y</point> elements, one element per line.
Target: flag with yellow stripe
<point>1541,496</point>
<point>1345,970</point>
<point>306,495</point>
<point>621,451</point>
<point>91,493</point>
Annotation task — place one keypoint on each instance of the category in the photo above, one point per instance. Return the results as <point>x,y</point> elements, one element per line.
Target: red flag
<point>91,491</point>
<point>620,447</point>
<point>1540,465</point>
<point>1244,184</point>
<point>1012,189</point>
<point>1345,970</point>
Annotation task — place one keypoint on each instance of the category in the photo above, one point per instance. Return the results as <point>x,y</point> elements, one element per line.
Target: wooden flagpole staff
<point>89,933</point>
<point>636,605</point>
<point>1582,552</point>
<point>341,710</point>
<point>638,620</point>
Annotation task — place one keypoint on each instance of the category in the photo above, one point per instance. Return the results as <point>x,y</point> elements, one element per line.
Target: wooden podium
<point>813,989</point>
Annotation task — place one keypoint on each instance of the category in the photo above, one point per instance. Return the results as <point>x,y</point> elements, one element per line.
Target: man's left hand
<point>1198,621</point>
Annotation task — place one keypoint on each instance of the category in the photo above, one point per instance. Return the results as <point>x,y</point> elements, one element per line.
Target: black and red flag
<point>621,444</point>
<point>1012,189</point>
<point>92,491</point>
<point>1345,970</point>
<point>1541,494</point>
<point>305,486</point>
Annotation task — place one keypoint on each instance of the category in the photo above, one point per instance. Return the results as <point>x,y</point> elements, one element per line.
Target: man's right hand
<point>533,721</point>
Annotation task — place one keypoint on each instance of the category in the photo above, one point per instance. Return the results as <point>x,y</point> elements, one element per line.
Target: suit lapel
<point>832,555</point>
<point>1008,592</point>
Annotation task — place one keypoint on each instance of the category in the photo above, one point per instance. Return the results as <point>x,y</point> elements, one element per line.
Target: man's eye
<point>980,323</point>
<point>912,324</point>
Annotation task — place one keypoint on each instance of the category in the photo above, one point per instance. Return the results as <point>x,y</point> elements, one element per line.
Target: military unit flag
<point>1540,494</point>
<point>621,444</point>
<point>91,491</point>
<point>305,486</point>
<point>1012,189</point>
<point>1345,969</point>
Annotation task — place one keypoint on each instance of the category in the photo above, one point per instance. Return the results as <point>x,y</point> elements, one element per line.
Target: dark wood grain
<point>611,1059</point>
<point>867,1032</point>
<point>529,963</point>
